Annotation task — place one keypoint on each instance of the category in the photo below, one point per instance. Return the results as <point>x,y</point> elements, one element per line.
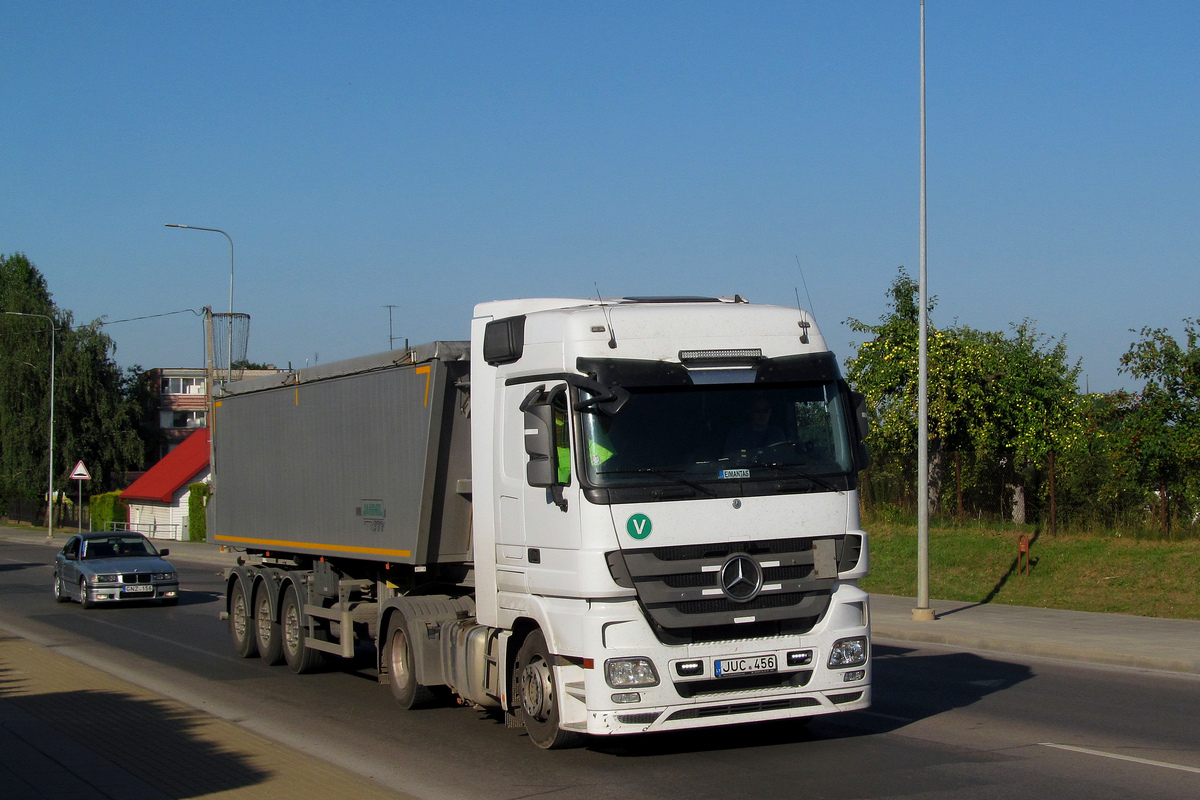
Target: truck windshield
<point>726,432</point>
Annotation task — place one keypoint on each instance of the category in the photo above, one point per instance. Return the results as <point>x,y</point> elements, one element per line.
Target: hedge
<point>105,508</point>
<point>197,521</point>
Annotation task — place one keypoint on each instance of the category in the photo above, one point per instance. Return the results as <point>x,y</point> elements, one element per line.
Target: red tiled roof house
<point>158,501</point>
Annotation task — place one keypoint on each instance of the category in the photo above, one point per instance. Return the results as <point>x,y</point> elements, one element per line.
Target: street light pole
<point>923,612</point>
<point>229,360</point>
<point>50,481</point>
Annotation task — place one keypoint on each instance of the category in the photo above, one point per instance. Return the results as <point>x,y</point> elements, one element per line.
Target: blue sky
<point>433,155</point>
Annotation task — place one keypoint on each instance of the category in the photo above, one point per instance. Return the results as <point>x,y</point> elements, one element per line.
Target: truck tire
<point>241,623</point>
<point>402,673</point>
<point>536,697</point>
<point>294,626</point>
<point>270,639</point>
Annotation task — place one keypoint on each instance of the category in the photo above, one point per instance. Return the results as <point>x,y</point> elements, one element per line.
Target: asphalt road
<point>945,723</point>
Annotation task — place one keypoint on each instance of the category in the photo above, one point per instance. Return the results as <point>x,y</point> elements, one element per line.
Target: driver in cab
<point>756,432</point>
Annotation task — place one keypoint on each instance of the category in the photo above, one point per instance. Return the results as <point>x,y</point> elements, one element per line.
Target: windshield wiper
<point>799,473</point>
<point>662,474</point>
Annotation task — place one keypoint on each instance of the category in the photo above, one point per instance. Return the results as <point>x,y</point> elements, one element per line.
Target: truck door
<point>538,489</point>
<point>552,512</point>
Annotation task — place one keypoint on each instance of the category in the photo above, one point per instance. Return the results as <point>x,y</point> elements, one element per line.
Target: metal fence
<point>154,530</point>
<point>21,511</point>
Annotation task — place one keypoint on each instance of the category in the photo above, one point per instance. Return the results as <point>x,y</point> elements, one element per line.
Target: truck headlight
<point>848,653</point>
<point>624,673</point>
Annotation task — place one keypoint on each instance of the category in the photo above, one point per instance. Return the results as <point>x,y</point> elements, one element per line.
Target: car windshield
<point>720,432</point>
<point>118,546</point>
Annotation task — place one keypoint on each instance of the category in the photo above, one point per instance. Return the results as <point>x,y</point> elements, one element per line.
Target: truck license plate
<point>746,665</point>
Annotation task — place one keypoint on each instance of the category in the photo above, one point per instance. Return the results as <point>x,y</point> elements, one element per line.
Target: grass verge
<point>1070,571</point>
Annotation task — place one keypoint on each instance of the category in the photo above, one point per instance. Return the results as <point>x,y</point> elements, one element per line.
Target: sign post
<point>81,474</point>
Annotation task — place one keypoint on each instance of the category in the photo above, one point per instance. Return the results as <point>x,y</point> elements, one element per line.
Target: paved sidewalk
<point>1117,639</point>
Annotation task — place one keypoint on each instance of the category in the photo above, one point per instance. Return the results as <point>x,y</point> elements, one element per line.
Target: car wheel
<point>270,640</point>
<point>241,623</point>
<point>536,697</point>
<point>300,658</point>
<point>402,673</point>
<point>59,595</point>
<point>83,594</point>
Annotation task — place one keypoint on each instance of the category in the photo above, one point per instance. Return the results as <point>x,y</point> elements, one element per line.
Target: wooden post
<point>1053,503</point>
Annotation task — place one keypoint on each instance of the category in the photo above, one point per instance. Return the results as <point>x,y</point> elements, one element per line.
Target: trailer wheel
<point>402,673</point>
<point>300,658</point>
<point>270,639</point>
<point>241,624</point>
<point>535,695</point>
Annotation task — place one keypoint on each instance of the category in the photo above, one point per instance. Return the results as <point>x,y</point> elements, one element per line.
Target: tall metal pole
<point>923,612</point>
<point>50,480</point>
<point>391,339</point>
<point>229,360</point>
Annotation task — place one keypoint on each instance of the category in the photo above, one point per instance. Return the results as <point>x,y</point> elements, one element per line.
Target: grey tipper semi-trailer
<point>595,517</point>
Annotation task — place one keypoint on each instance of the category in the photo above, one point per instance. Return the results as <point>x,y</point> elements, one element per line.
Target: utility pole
<point>391,339</point>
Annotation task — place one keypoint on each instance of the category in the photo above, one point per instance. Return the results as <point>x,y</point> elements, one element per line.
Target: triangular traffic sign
<point>80,473</point>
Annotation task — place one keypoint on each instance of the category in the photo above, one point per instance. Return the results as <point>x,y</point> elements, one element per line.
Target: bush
<point>107,507</point>
<point>197,521</point>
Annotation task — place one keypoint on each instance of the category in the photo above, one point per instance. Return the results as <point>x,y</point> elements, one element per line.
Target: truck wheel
<point>270,640</point>
<point>241,624</point>
<point>300,658</point>
<point>535,695</point>
<point>402,673</point>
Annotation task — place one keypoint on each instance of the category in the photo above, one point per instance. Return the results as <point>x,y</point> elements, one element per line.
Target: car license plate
<point>746,665</point>
<point>139,588</point>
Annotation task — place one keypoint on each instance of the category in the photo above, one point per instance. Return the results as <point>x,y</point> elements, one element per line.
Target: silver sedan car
<point>113,567</point>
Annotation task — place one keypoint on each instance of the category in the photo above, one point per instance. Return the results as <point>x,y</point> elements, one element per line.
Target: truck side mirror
<point>541,471</point>
<point>859,402</point>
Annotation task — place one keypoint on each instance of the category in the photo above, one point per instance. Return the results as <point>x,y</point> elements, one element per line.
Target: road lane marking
<point>1120,757</point>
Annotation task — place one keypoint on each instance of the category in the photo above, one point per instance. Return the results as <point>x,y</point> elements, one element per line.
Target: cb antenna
<point>612,334</point>
<point>804,324</point>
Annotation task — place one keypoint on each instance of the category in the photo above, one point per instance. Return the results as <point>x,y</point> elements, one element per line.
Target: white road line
<point>1119,757</point>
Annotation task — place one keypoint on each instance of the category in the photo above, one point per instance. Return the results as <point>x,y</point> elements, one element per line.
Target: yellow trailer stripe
<point>339,548</point>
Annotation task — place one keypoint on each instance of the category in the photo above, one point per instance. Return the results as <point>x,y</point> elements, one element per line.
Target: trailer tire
<point>300,658</point>
<point>402,673</point>
<point>536,697</point>
<point>241,623</point>
<point>270,638</point>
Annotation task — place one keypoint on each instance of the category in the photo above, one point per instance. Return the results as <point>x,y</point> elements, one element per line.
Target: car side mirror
<point>164,552</point>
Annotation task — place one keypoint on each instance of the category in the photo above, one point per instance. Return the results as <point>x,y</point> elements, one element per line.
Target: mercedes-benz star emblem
<point>741,578</point>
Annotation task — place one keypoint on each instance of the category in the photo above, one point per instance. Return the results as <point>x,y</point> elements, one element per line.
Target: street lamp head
<point>173,225</point>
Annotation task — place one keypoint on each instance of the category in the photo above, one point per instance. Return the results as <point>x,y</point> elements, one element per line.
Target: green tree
<point>95,422</point>
<point>1161,423</point>
<point>1007,401</point>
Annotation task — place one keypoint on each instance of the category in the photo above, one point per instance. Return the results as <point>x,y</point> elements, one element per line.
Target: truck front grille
<point>680,587</point>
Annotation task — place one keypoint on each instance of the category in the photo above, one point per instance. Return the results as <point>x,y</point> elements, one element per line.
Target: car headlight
<point>848,653</point>
<point>164,576</point>
<point>624,673</point>
<point>104,579</point>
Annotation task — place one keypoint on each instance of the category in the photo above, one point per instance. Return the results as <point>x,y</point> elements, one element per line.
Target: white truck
<point>597,517</point>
